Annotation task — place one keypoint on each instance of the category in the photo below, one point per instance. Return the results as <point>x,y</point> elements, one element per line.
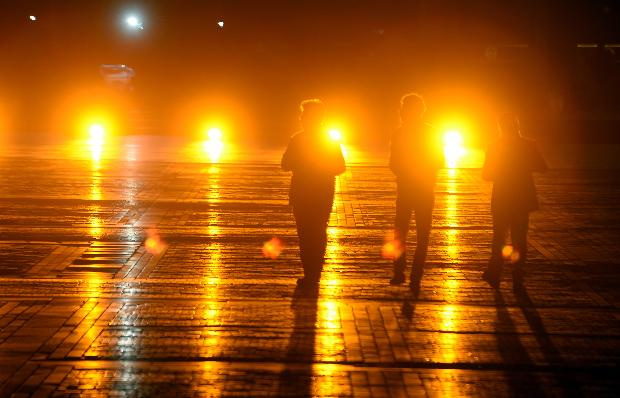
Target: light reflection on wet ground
<point>86,305</point>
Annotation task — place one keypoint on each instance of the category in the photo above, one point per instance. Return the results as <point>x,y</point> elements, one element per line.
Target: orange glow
<point>335,135</point>
<point>272,248</point>
<point>453,147</point>
<point>214,133</point>
<point>392,249</point>
<point>96,133</point>
<point>507,251</point>
<point>154,244</point>
<point>214,146</point>
<point>510,253</point>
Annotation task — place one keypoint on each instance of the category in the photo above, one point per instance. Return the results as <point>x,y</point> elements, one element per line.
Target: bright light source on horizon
<point>214,146</point>
<point>32,18</point>
<point>220,24</point>
<point>96,133</point>
<point>335,135</point>
<point>214,133</point>
<point>453,147</point>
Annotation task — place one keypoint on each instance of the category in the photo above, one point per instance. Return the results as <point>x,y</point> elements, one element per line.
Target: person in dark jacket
<point>509,164</point>
<point>415,157</point>
<point>315,161</point>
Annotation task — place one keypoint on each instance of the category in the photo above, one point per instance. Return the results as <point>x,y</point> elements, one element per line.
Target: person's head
<point>412,108</point>
<point>509,126</point>
<point>312,114</point>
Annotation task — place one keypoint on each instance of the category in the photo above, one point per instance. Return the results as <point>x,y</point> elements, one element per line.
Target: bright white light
<point>335,135</point>
<point>220,24</point>
<point>32,18</point>
<point>453,148</point>
<point>214,134</point>
<point>96,132</point>
<point>133,22</point>
<point>453,138</point>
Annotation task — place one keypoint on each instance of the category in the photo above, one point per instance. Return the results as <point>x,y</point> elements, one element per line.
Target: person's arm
<point>339,164</point>
<point>538,162</point>
<point>289,157</point>
<point>394,155</point>
<point>488,169</point>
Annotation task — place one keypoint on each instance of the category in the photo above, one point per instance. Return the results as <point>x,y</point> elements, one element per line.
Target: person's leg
<point>423,221</point>
<point>312,229</point>
<point>320,237</point>
<point>494,271</point>
<point>304,232</point>
<point>401,229</point>
<point>518,233</point>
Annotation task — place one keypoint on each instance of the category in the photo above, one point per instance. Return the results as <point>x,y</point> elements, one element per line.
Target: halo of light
<point>392,249</point>
<point>335,135</point>
<point>214,133</point>
<point>453,147</point>
<point>272,248</point>
<point>96,131</point>
<point>132,21</point>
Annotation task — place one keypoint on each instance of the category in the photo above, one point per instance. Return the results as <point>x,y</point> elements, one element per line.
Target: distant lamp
<point>96,132</point>
<point>220,24</point>
<point>335,135</point>
<point>453,148</point>
<point>214,146</point>
<point>214,134</point>
<point>134,22</point>
<point>32,18</point>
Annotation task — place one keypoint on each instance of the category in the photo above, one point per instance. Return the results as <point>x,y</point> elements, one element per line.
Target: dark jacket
<point>415,157</point>
<point>315,161</point>
<point>509,163</point>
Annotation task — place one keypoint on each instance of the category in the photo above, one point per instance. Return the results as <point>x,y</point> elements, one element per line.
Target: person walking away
<point>415,157</point>
<point>509,164</point>
<point>315,161</point>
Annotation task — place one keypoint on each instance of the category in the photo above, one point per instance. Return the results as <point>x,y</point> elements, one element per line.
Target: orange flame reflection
<point>392,249</point>
<point>154,244</point>
<point>272,248</point>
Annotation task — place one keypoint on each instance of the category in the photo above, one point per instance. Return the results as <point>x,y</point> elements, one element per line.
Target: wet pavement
<point>146,278</point>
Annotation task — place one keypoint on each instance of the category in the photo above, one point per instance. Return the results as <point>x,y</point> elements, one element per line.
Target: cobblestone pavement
<point>147,279</point>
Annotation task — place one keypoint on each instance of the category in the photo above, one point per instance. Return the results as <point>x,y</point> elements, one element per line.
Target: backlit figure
<point>509,164</point>
<point>415,158</point>
<point>315,161</point>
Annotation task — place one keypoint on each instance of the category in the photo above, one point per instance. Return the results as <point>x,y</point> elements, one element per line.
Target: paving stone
<point>88,307</point>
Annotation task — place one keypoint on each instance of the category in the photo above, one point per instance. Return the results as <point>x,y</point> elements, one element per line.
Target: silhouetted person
<point>509,164</point>
<point>415,158</point>
<point>315,161</point>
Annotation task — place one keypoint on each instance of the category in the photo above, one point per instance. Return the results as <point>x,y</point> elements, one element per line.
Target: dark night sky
<point>270,54</point>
